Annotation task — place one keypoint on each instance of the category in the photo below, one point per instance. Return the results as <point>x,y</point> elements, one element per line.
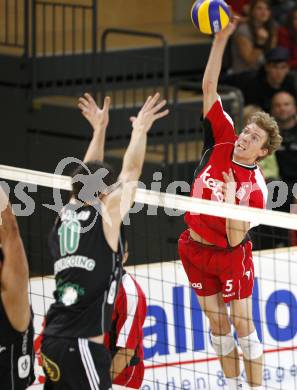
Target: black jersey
<point>87,274</point>
<point>16,354</point>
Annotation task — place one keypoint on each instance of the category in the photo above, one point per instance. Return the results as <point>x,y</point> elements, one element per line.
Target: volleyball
<point>210,16</point>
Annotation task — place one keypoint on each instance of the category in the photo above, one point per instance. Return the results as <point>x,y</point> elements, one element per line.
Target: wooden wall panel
<point>123,13</point>
<point>132,14</point>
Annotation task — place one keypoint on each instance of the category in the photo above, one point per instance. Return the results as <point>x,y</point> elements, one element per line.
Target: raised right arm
<point>214,66</point>
<point>120,200</point>
<point>135,153</point>
<point>98,119</point>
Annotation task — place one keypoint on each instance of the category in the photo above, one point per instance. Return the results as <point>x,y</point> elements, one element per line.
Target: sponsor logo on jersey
<point>69,296</point>
<point>25,342</point>
<point>51,368</point>
<point>243,191</point>
<point>240,194</point>
<point>112,292</point>
<point>24,365</point>
<point>74,262</point>
<point>212,184</point>
<point>69,293</point>
<point>228,295</point>
<point>69,215</point>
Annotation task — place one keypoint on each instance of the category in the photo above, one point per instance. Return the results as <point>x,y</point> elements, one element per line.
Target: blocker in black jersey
<point>16,355</point>
<point>87,274</point>
<point>88,265</point>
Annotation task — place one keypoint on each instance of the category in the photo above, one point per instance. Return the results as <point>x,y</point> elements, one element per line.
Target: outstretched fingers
<point>161,114</point>
<point>153,101</point>
<point>228,177</point>
<point>86,102</point>
<point>132,118</point>
<point>106,104</point>
<point>89,97</point>
<point>146,104</point>
<point>158,106</point>
<point>83,104</point>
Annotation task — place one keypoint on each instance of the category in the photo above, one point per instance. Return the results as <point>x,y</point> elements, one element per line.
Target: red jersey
<point>126,330</point>
<point>219,139</point>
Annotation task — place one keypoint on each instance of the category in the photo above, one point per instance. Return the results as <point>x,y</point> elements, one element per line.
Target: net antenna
<point>166,200</point>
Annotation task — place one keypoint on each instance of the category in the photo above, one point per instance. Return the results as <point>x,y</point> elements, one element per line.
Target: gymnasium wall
<point>111,13</point>
<point>123,13</point>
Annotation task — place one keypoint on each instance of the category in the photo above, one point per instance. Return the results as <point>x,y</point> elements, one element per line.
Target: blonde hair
<point>248,111</point>
<point>269,125</point>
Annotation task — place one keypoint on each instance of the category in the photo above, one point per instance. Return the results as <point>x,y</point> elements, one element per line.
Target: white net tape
<point>166,200</point>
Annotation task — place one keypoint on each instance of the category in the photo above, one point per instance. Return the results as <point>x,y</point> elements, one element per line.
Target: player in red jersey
<point>216,253</point>
<point>125,338</point>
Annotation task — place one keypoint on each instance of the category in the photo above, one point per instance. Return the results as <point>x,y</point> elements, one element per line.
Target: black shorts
<point>75,364</point>
<point>16,366</point>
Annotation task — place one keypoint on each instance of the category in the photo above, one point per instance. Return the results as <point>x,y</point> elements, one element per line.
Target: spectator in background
<point>275,76</point>
<point>287,37</point>
<point>240,7</point>
<point>280,9</point>
<point>253,38</point>
<point>284,110</point>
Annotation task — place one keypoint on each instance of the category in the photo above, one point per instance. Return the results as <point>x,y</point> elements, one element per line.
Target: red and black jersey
<point>126,329</point>
<point>219,139</point>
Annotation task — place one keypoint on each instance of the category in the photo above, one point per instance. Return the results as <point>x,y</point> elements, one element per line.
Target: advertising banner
<point>178,351</point>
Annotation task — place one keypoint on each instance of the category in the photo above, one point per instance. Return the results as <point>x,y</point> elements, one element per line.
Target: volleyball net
<point>177,348</point>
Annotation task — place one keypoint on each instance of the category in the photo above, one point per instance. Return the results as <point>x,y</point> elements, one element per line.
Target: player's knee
<point>223,344</point>
<point>251,347</point>
<point>242,324</point>
<point>237,321</point>
<point>219,324</point>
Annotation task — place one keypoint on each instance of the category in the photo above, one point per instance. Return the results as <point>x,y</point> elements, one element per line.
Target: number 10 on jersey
<point>69,234</point>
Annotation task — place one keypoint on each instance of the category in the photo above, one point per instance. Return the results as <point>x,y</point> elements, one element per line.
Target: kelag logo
<point>157,333</point>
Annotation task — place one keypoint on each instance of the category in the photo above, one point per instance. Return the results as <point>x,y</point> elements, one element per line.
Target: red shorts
<point>211,270</point>
<point>132,376</point>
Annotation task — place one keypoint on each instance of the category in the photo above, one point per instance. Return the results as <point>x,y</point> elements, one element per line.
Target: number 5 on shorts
<point>229,285</point>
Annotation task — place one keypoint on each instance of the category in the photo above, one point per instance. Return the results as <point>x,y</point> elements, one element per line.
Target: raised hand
<point>149,113</point>
<point>229,29</point>
<point>5,207</point>
<point>98,118</point>
<point>229,187</point>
